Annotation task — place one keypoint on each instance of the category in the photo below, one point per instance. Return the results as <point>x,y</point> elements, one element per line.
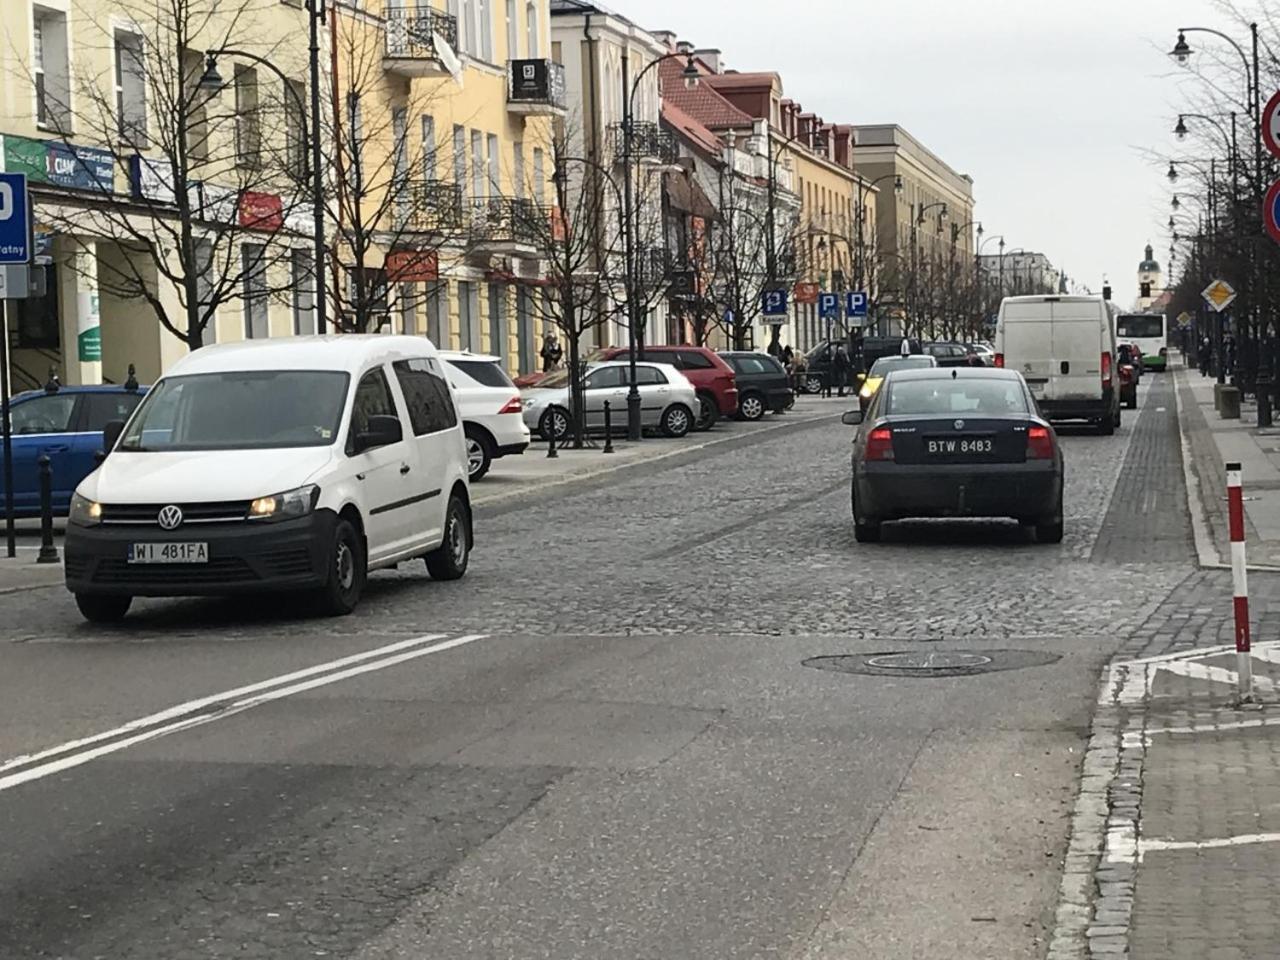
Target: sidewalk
<point>1212,442</point>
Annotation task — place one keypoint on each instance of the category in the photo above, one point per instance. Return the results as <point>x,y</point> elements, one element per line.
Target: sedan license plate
<point>168,553</point>
<point>959,446</point>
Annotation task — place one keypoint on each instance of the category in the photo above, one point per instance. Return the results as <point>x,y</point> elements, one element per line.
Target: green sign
<point>90,342</point>
<point>26,156</point>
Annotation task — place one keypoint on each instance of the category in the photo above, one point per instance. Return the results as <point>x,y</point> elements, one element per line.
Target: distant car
<point>667,400</point>
<point>490,407</point>
<point>882,368</point>
<point>531,379</point>
<point>863,353</point>
<point>705,369</point>
<point>762,383</point>
<point>65,424</point>
<point>984,352</point>
<point>951,353</point>
<point>955,443</point>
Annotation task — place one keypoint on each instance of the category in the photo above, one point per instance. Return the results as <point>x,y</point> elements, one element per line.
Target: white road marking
<point>1151,846</point>
<point>233,701</point>
<point>1202,671</point>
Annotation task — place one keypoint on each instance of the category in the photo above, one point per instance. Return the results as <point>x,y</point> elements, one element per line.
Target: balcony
<point>535,88</point>
<point>509,226</point>
<point>415,40</point>
<point>653,267</point>
<point>649,143</point>
<point>435,207</point>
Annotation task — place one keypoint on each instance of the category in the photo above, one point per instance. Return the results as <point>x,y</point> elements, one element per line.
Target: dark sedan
<point>763,384</point>
<point>958,442</point>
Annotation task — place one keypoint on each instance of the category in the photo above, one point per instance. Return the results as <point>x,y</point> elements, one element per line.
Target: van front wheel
<point>347,572</point>
<point>449,561</point>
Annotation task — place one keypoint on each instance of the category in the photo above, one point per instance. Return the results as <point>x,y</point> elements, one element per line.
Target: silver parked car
<point>667,399</point>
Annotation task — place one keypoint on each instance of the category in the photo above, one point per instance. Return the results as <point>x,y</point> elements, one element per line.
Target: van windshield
<point>240,410</point>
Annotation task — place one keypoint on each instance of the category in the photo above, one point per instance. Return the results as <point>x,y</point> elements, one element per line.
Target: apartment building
<point>125,137</point>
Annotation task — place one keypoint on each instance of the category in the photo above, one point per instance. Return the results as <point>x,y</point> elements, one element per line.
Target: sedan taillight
<point>1000,360</point>
<point>1039,443</point>
<point>512,406</point>
<point>880,444</point>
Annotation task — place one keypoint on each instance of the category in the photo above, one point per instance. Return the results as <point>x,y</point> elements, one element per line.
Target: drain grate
<point>929,664</point>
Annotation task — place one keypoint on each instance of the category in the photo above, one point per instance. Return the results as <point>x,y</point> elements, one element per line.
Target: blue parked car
<point>65,423</point>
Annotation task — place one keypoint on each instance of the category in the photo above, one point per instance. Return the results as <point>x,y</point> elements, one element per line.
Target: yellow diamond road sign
<point>1219,295</point>
<point>1184,319</point>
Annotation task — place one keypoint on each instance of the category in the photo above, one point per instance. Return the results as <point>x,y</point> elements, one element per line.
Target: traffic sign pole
<point>6,425</point>
<point>16,242</point>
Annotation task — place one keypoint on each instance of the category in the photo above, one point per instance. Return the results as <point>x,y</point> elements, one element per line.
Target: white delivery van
<point>1065,348</point>
<point>296,465</point>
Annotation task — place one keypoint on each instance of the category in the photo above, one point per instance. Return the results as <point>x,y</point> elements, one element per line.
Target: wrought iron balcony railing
<point>509,221</point>
<point>536,86</point>
<point>649,143</point>
<point>410,38</point>
<point>436,207</point>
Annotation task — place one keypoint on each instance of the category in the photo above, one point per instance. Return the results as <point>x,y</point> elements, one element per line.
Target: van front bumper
<point>243,558</point>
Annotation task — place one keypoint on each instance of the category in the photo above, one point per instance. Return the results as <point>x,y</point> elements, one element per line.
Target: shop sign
<point>261,211</point>
<point>412,266</point>
<point>61,164</point>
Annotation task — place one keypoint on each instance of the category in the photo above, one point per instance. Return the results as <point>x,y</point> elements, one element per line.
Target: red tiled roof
<point>690,127</point>
<point>702,103</point>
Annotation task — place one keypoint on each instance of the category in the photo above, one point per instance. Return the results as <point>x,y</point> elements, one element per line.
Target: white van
<point>1065,348</point>
<point>295,464</point>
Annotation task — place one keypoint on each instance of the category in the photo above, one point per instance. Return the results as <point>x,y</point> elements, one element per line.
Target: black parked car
<point>762,383</point>
<point>864,353</point>
<point>952,354</point>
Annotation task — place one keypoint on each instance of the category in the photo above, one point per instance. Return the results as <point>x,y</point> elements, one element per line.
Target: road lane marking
<point>1128,850</point>
<point>227,704</point>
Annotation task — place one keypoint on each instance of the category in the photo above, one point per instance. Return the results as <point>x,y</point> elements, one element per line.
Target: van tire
<point>449,561</point>
<point>347,572</point>
<point>1106,426</point>
<point>97,608</point>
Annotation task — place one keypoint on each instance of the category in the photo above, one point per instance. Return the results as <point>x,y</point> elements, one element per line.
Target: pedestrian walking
<point>799,370</point>
<point>827,359</point>
<point>1206,354</point>
<point>840,367</point>
<point>788,355</point>
<point>551,353</point>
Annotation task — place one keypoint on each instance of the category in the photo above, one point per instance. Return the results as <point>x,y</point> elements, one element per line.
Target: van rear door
<point>1027,343</point>
<point>1076,371</point>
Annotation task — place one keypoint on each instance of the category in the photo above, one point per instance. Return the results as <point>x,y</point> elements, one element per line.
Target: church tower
<point>1150,282</point>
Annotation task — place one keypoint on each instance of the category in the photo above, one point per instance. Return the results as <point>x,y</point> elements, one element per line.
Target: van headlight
<point>285,506</point>
<point>84,512</point>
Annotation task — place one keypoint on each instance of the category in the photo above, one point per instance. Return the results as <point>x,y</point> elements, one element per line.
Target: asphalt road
<point>609,740</point>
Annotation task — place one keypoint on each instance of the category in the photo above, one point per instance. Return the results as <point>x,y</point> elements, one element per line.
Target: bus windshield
<point>1140,325</point>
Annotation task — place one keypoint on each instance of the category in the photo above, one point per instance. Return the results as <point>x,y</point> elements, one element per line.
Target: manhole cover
<point>935,662</point>
<point>927,664</point>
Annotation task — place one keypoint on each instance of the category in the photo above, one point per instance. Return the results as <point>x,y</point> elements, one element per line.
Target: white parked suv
<point>290,465</point>
<point>492,414</point>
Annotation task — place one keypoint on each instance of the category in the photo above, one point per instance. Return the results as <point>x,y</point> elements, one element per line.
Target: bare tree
<point>395,215</point>
<point>211,201</point>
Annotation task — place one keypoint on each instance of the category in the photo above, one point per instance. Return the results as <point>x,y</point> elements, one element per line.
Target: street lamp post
<point>863,190</point>
<point>770,239</point>
<point>956,230</point>
<point>630,88</point>
<point>918,220</point>
<point>212,82</point>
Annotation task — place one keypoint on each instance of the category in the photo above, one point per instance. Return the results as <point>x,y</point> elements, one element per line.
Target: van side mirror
<point>852,418</point>
<point>381,431</point>
<point>111,435</point>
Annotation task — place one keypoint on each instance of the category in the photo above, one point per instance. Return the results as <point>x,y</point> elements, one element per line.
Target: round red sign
<point>1271,211</point>
<point>1271,125</point>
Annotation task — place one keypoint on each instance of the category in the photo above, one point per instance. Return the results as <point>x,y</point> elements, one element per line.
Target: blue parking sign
<point>774,303</point>
<point>15,219</point>
<point>828,305</point>
<point>855,303</point>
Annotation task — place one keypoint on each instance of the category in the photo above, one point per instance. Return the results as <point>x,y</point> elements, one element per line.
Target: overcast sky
<point>1045,103</point>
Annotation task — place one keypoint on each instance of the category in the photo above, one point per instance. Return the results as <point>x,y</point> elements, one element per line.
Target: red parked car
<point>710,375</point>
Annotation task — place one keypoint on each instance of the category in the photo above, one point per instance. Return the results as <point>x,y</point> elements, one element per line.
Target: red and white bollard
<point>1239,578</point>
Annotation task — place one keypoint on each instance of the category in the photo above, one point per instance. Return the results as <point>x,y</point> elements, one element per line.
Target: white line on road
<point>230,703</point>
<point>1151,846</point>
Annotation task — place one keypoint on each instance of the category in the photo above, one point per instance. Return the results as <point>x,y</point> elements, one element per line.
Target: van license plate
<point>168,553</point>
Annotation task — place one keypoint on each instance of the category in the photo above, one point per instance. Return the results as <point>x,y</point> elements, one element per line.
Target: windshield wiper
<point>134,448</point>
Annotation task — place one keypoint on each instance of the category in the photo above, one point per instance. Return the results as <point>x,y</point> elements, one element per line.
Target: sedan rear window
<point>945,396</point>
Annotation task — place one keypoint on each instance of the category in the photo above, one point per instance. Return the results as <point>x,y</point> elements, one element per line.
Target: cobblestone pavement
<point>636,757</point>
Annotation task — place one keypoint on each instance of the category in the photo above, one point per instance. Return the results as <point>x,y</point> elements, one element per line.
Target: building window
<point>304,299</point>
<point>532,30</point>
<point>254,270</point>
<point>51,68</point>
<point>248,121</point>
<point>409,309</point>
<point>438,313</point>
<point>468,307</point>
<point>131,89</point>
<point>513,32</point>
<point>460,156</point>
<point>524,329</point>
<point>355,143</point>
<point>428,148</point>
<point>400,163</point>
<point>539,176</point>
<point>197,117</point>
<point>484,18</point>
<point>477,164</point>
<point>517,169</point>
<point>295,97</point>
<point>495,159</point>
<point>204,289</point>
<point>498,321</point>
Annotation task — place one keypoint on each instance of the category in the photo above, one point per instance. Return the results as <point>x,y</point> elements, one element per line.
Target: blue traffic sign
<point>15,219</point>
<point>828,305</point>
<point>774,303</point>
<point>855,303</point>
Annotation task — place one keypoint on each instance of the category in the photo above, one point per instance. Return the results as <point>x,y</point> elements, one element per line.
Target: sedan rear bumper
<point>1023,491</point>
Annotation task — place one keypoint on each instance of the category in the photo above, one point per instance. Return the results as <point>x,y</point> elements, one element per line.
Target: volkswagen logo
<point>959,426</point>
<point>170,518</point>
